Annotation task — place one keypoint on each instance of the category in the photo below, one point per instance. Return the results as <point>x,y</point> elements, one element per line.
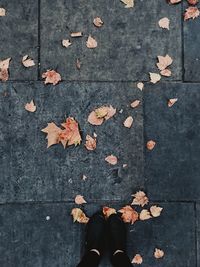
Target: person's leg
<point>117,241</point>
<point>95,241</point>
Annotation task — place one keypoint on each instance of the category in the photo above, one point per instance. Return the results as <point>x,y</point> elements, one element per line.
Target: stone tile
<point>19,36</point>
<point>170,232</point>
<point>30,171</point>
<point>29,239</point>
<point>191,51</point>
<point>172,168</point>
<point>198,233</point>
<point>128,43</point>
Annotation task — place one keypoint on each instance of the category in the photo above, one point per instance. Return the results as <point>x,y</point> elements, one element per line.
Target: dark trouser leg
<point>121,260</point>
<point>90,259</point>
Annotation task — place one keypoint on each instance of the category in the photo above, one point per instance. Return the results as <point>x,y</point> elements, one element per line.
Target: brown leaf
<point>28,62</point>
<point>97,116</point>
<point>98,22</point>
<point>164,62</point>
<point>154,77</point>
<point>111,159</point>
<point>79,216</point>
<point>145,215</point>
<point>164,23</point>
<point>2,12</point>
<point>51,76</point>
<point>137,259</point>
<point>4,65</point>
<point>129,215</point>
<point>91,42</point>
<point>193,2</point>
<point>191,13</point>
<point>91,143</point>
<point>52,134</point>
<point>79,200</point>
<point>128,122</point>
<point>151,144</point>
<point>30,106</point>
<point>108,211</point>
<point>172,101</point>
<point>76,34</point>
<point>66,43</point>
<point>158,253</point>
<point>128,3</point>
<point>135,103</point>
<point>94,120</point>
<point>155,211</point>
<point>140,199</point>
<point>166,72</point>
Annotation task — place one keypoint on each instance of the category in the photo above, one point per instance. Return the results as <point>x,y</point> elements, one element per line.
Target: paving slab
<point>128,43</point>
<point>191,51</point>
<point>30,171</point>
<point>198,233</point>
<point>30,238</point>
<point>172,168</point>
<point>19,37</point>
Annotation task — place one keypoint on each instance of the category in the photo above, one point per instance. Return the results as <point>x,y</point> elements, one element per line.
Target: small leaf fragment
<point>78,64</point>
<point>4,66</point>
<point>27,62</point>
<point>76,34</point>
<point>107,211</point>
<point>154,77</point>
<point>158,253</point>
<point>164,23</point>
<point>150,144</point>
<point>79,200</point>
<point>174,1</point>
<point>30,106</point>
<point>111,159</point>
<point>52,77</point>
<point>97,116</point>
<point>128,122</point>
<point>66,43</point>
<point>145,215</point>
<point>172,101</point>
<point>155,211</point>
<point>91,143</point>
<point>137,259</point>
<point>193,2</point>
<point>79,216</point>
<point>128,3</point>
<point>135,103</point>
<point>166,72</point>
<point>98,22</point>
<point>2,12</point>
<point>91,42</point>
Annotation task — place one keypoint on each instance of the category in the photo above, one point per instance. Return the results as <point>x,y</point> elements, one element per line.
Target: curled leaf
<point>166,72</point>
<point>79,216</point>
<point>174,1</point>
<point>140,86</point>
<point>154,77</point>
<point>155,211</point>
<point>97,116</point>
<point>158,253</point>
<point>164,23</point>
<point>151,144</point>
<point>107,211</point>
<point>78,64</point>
<point>145,215</point>
<point>98,22</point>
<point>135,103</point>
<point>4,65</point>
<point>164,62</point>
<point>137,259</point>
<point>129,215</point>
<point>128,122</point>
<point>111,159</point>
<point>79,200</point>
<point>27,62</point>
<point>172,101</point>
<point>76,34</point>
<point>140,199</point>
<point>30,106</point>
<point>91,143</point>
<point>66,43</point>
<point>191,13</point>
<point>91,42</point>
<point>51,76</point>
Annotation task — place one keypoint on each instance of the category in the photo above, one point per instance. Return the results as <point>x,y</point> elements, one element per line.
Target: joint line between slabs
<point>39,14</point>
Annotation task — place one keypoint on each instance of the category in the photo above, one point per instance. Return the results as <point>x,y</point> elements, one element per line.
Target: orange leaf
<point>164,62</point>
<point>27,62</point>
<point>108,211</point>
<point>91,143</point>
<point>158,253</point>
<point>191,13</point>
<point>140,199</point>
<point>111,159</point>
<point>52,134</point>
<point>91,42</point>
<point>166,72</point>
<point>4,65</point>
<point>97,116</point>
<point>145,215</point>
<point>137,259</point>
<point>30,106</point>
<point>129,215</point>
<point>151,144</point>
<point>155,211</point>
<point>98,22</point>
<point>79,216</point>
<point>51,76</point>
<point>193,2</point>
<point>79,200</point>
<point>128,122</point>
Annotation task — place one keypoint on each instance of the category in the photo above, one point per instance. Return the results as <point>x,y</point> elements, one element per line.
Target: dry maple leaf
<point>53,132</point>
<point>166,72</point>
<point>97,116</point>
<point>150,145</point>
<point>140,199</point>
<point>91,42</point>
<point>79,216</point>
<point>164,23</point>
<point>164,62</point>
<point>158,253</point>
<point>128,122</point>
<point>76,34</point>
<point>135,103</point>
<point>171,102</point>
<point>137,259</point>
<point>155,211</point>
<point>28,62</point>
<point>98,22</point>
<point>193,2</point>
<point>2,12</point>
<point>128,3</point>
<point>191,13</point>
<point>91,143</point>
<point>145,215</point>
<point>174,1</point>
<point>129,215</point>
<point>4,65</point>
<point>111,159</point>
<point>66,43</point>
<point>154,77</point>
<point>30,106</point>
<point>140,86</point>
<point>108,211</point>
<point>79,200</point>
<point>51,76</point>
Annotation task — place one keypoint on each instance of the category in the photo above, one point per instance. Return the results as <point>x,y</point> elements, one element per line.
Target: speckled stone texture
<point>128,43</point>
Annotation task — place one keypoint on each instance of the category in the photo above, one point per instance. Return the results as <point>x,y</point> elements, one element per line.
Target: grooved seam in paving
<point>39,14</point>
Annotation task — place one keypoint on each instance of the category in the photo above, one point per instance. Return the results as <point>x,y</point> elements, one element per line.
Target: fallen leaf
<point>164,23</point>
<point>97,116</point>
<point>84,177</point>
<point>135,103</point>
<point>28,62</point>
<point>66,43</point>
<point>79,200</point>
<point>53,132</point>
<point>2,12</point>
<point>76,34</point>
<point>193,2</point>
<point>94,120</point>
<point>4,65</point>
<point>137,259</point>
<point>145,215</point>
<point>166,72</point>
<point>129,215</point>
<point>171,102</point>
<point>124,165</point>
<point>140,199</point>
<point>78,64</point>
<point>30,106</point>
<point>191,13</point>
<point>111,159</point>
<point>91,42</point>
<point>140,86</point>
<point>154,77</point>
<point>164,62</point>
<point>98,22</point>
<point>79,216</point>
<point>128,3</point>
<point>108,211</point>
<point>91,143</point>
<point>155,211</point>
<point>110,112</point>
<point>51,76</point>
<point>174,1</point>
<point>128,122</point>
<point>158,253</point>
<point>151,144</point>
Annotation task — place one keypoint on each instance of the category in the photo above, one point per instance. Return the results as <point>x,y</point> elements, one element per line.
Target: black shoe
<point>96,233</point>
<point>116,233</point>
